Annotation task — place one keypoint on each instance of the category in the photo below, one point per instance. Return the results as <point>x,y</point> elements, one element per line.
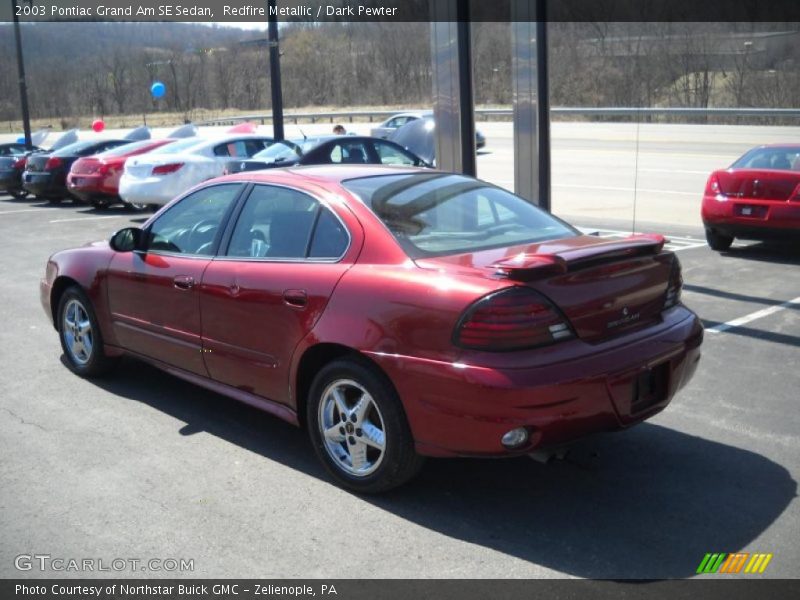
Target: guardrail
<point>486,113</point>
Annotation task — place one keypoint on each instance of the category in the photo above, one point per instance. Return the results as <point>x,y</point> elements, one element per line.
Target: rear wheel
<point>54,200</point>
<point>359,429</point>
<point>80,335</point>
<point>718,241</point>
<point>19,194</point>
<point>99,204</point>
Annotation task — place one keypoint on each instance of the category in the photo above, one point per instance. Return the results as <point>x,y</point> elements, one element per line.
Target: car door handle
<point>183,282</point>
<point>295,298</point>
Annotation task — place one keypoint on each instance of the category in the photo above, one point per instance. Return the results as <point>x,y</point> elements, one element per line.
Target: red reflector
<point>53,163</point>
<point>675,284</point>
<point>166,169</point>
<point>511,319</point>
<point>20,163</point>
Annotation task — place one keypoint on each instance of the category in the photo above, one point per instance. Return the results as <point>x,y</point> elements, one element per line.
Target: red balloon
<point>98,125</point>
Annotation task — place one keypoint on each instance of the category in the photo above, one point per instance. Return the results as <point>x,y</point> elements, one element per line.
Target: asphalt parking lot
<point>142,465</point>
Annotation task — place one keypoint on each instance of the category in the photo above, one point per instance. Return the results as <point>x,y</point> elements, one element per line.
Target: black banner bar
<point>319,11</point>
<point>393,589</point>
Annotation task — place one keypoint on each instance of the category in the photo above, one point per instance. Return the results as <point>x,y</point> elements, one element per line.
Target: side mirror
<point>126,240</point>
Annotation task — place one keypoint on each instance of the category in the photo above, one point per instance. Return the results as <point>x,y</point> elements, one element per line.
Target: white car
<point>159,176</point>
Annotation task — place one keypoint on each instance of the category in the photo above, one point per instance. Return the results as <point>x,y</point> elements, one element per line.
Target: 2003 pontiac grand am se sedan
<point>393,312</point>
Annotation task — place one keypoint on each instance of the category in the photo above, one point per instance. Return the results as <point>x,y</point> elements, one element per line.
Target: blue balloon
<point>158,89</point>
<point>21,140</point>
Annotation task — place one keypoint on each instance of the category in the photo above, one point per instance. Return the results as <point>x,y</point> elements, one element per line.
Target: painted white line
<point>87,218</point>
<point>644,170</point>
<point>675,244</point>
<point>624,189</point>
<point>759,314</point>
<point>27,210</point>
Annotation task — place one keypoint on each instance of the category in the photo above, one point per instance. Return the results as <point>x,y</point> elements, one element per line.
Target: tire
<point>718,241</point>
<point>18,194</point>
<point>80,335</point>
<point>377,429</point>
<point>54,200</point>
<point>99,204</point>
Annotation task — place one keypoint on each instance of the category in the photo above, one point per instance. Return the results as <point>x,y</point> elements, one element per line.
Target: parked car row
<point>140,172</point>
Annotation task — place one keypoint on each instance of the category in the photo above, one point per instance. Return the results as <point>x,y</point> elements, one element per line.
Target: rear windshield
<point>179,146</point>
<point>774,157</point>
<point>129,148</point>
<point>279,152</point>
<point>433,214</point>
<point>75,149</point>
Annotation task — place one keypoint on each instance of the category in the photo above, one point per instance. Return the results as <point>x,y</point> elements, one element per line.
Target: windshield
<point>128,148</point>
<point>75,149</point>
<point>773,157</point>
<point>433,214</point>
<point>279,152</point>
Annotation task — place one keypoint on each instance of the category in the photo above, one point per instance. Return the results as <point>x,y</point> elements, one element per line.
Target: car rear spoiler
<point>527,267</point>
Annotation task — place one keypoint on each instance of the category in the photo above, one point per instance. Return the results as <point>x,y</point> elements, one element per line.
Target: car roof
<point>413,113</point>
<point>321,173</point>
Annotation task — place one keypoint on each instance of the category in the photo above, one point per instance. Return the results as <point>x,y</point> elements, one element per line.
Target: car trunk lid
<point>603,287</point>
<point>36,163</point>
<point>758,184</point>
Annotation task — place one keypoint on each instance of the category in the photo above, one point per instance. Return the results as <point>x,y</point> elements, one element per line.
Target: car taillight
<point>712,186</point>
<point>19,164</point>
<point>166,169</point>
<point>675,284</point>
<point>53,163</point>
<point>511,319</point>
<point>103,169</point>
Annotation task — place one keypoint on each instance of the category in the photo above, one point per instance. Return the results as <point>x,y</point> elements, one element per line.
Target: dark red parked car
<point>394,312</point>
<point>758,198</point>
<point>95,179</point>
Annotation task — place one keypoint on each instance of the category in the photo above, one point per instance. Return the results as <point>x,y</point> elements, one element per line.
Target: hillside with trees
<point>101,69</point>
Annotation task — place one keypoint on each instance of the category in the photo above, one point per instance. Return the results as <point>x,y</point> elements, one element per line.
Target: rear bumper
<point>769,219</point>
<point>89,187</point>
<point>147,191</point>
<point>10,179</point>
<point>463,410</point>
<point>47,185</point>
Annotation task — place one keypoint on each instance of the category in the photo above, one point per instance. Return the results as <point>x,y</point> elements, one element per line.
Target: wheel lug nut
<point>353,418</point>
<point>358,432</point>
<point>341,430</point>
<point>352,440</point>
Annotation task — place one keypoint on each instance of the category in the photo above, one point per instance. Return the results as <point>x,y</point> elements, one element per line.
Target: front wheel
<point>80,335</point>
<point>359,429</point>
<point>718,241</point>
<point>18,194</point>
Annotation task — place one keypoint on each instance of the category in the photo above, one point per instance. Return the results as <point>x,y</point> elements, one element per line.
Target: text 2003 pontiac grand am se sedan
<point>394,312</point>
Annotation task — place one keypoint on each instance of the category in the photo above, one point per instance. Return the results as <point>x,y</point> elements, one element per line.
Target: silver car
<point>394,122</point>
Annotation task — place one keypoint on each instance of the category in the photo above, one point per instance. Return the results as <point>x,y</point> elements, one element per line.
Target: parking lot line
<point>674,243</point>
<point>87,218</point>
<point>611,188</point>
<point>753,316</point>
<point>26,210</point>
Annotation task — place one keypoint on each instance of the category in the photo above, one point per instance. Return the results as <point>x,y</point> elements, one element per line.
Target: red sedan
<point>394,312</point>
<point>758,198</point>
<point>95,179</point>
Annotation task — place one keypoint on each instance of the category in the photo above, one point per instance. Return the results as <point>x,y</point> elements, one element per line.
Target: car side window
<point>392,155</point>
<point>191,226</point>
<point>349,153</point>
<point>252,147</point>
<point>235,149</point>
<point>330,238</point>
<point>275,223</point>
